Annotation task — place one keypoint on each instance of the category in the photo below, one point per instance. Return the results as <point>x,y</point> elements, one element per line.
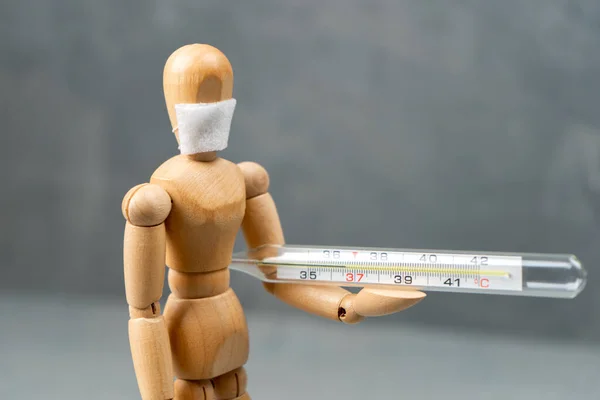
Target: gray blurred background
<point>455,124</point>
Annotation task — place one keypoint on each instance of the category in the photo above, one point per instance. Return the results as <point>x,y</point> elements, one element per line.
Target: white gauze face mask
<point>204,127</point>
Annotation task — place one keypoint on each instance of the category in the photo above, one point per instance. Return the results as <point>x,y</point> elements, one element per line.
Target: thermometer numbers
<point>418,269</point>
<point>430,258</point>
<point>354,276</point>
<point>374,256</point>
<point>407,279</point>
<point>452,282</point>
<point>480,260</point>
<point>308,275</point>
<point>331,254</point>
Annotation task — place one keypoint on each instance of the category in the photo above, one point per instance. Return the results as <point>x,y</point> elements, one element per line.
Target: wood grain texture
<point>188,216</point>
<point>371,302</point>
<point>320,300</point>
<point>347,313</point>
<point>256,178</point>
<point>144,264</point>
<point>209,337</point>
<point>150,350</point>
<point>206,156</point>
<point>194,390</point>
<point>146,205</point>
<point>208,203</point>
<point>153,310</point>
<point>261,226</point>
<point>231,385</point>
<point>261,223</point>
<point>196,73</point>
<point>190,285</point>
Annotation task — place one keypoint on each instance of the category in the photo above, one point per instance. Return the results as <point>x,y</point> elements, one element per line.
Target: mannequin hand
<point>370,302</point>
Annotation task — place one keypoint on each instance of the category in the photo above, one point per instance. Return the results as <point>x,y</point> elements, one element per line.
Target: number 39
<point>407,279</point>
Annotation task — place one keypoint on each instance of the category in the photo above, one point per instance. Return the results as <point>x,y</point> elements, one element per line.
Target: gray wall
<point>406,123</point>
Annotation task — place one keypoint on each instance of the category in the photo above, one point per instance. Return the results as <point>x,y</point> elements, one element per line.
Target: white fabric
<point>204,127</point>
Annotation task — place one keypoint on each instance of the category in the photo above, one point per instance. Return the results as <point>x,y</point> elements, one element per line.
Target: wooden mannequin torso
<point>208,204</point>
<point>188,218</point>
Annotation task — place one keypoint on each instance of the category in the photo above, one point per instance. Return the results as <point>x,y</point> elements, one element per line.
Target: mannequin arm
<point>261,226</point>
<point>145,208</point>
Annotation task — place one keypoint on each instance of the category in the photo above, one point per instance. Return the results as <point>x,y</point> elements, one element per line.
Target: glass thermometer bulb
<point>517,274</point>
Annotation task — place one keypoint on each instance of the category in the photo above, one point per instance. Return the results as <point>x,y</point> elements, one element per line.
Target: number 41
<point>451,282</point>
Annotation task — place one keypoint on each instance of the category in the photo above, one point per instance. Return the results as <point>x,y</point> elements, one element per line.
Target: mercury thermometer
<point>517,274</point>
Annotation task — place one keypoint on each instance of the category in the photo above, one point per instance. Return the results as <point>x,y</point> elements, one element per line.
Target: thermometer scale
<point>520,274</point>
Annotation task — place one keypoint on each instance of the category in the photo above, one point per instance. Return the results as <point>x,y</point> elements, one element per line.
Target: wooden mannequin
<point>187,217</point>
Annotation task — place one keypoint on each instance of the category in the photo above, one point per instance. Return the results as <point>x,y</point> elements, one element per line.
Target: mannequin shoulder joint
<point>256,179</point>
<point>146,205</point>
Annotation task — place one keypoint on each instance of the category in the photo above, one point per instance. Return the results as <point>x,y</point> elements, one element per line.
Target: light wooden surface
<point>256,179</point>
<point>149,342</point>
<point>194,390</point>
<point>232,384</point>
<point>262,226</point>
<point>209,336</point>
<point>196,73</point>
<point>208,207</point>
<point>261,222</point>
<point>144,264</point>
<point>195,285</point>
<point>188,217</point>
<point>323,301</point>
<point>371,302</point>
<point>146,205</point>
<point>201,199</point>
